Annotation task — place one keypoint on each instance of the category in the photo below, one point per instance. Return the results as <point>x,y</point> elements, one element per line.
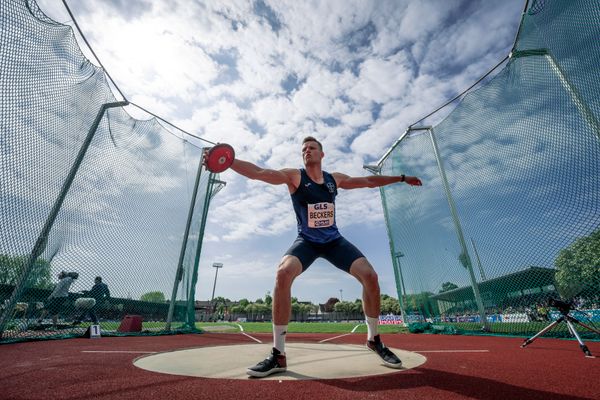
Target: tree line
<point>577,274</point>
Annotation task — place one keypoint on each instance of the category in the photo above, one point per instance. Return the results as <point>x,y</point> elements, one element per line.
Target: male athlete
<point>313,194</point>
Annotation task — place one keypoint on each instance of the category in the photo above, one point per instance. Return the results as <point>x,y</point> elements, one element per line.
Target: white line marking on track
<point>335,337</point>
<point>117,351</point>
<point>245,334</point>
<point>251,337</point>
<point>346,334</point>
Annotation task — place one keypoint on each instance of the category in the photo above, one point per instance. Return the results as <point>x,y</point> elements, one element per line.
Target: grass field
<point>512,329</point>
<point>298,327</point>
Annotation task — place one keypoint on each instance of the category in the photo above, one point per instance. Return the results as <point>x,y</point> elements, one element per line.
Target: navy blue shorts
<point>339,252</point>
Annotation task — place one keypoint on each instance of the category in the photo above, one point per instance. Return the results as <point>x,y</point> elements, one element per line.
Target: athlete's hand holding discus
<point>218,158</point>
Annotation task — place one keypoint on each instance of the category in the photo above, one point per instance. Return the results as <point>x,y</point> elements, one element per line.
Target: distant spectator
<point>57,299</point>
<point>100,294</point>
<point>542,312</point>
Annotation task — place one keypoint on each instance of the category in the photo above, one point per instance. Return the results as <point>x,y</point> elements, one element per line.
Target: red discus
<point>219,158</point>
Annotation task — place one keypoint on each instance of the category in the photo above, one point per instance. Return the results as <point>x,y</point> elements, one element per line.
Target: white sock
<point>372,327</point>
<point>279,332</point>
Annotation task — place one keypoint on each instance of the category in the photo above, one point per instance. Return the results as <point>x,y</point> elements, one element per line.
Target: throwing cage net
<point>509,214</point>
<point>102,215</point>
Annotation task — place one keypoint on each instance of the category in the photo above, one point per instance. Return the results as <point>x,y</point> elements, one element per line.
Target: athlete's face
<point>311,153</point>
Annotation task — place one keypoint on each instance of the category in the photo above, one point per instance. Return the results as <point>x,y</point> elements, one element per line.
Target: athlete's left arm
<point>344,181</point>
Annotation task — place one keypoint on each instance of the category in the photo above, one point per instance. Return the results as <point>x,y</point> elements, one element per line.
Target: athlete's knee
<point>371,278</point>
<point>288,270</point>
<point>365,272</point>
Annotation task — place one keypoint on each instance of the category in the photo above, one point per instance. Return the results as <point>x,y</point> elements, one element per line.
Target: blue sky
<point>261,75</point>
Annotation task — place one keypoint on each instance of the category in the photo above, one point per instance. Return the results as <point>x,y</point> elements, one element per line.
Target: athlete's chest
<point>311,190</point>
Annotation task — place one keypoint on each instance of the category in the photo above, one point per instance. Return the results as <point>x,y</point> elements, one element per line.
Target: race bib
<point>321,215</point>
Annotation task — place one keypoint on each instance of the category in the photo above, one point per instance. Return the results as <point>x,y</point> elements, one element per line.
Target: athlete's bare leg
<point>362,270</point>
<point>289,268</point>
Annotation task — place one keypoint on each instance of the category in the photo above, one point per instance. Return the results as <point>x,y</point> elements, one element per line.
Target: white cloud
<point>407,57</point>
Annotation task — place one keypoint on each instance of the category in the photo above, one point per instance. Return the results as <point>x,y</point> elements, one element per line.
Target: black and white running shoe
<point>387,356</point>
<point>271,365</point>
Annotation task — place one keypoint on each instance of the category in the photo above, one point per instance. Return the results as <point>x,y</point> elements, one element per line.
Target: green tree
<point>307,309</point>
<point>344,308</point>
<point>153,297</point>
<point>11,269</point>
<point>390,306</point>
<point>422,304</point>
<point>578,268</point>
<point>296,308</point>
<point>268,300</point>
<point>262,309</point>
<point>220,304</point>
<point>357,306</point>
<point>256,310</point>
<point>447,286</point>
<point>239,309</point>
<point>244,302</point>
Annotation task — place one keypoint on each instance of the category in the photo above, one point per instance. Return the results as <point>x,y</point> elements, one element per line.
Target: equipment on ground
<point>565,309</point>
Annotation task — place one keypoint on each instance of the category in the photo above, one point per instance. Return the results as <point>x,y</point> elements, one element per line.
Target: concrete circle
<point>304,361</point>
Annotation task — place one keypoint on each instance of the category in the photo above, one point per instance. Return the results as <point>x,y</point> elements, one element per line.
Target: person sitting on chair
<point>100,294</point>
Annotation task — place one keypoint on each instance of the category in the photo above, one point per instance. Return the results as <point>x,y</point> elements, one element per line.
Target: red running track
<point>70,369</point>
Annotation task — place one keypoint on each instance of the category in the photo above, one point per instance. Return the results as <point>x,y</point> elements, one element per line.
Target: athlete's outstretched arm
<point>272,176</point>
<point>348,182</point>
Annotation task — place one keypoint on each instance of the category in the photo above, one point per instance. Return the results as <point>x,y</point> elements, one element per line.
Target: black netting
<point>509,214</point>
<point>86,192</point>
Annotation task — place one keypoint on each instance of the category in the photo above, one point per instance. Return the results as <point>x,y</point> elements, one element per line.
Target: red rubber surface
<point>65,369</point>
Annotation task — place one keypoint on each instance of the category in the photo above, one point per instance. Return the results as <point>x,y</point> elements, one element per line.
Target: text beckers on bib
<point>321,215</point>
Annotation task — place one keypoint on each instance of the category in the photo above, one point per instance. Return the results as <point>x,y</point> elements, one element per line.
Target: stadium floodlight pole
<point>216,266</point>
<point>186,233</point>
<point>42,240</point>
<point>459,232</point>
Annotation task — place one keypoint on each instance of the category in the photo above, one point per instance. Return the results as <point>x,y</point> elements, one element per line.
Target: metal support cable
<point>115,85</point>
<point>92,50</point>
<point>171,124</point>
<point>462,93</point>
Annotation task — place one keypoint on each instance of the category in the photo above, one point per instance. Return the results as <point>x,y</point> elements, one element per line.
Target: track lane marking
<point>118,351</point>
<point>245,334</point>
<point>346,334</point>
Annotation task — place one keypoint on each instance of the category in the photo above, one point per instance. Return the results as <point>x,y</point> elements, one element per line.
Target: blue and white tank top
<point>314,205</point>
